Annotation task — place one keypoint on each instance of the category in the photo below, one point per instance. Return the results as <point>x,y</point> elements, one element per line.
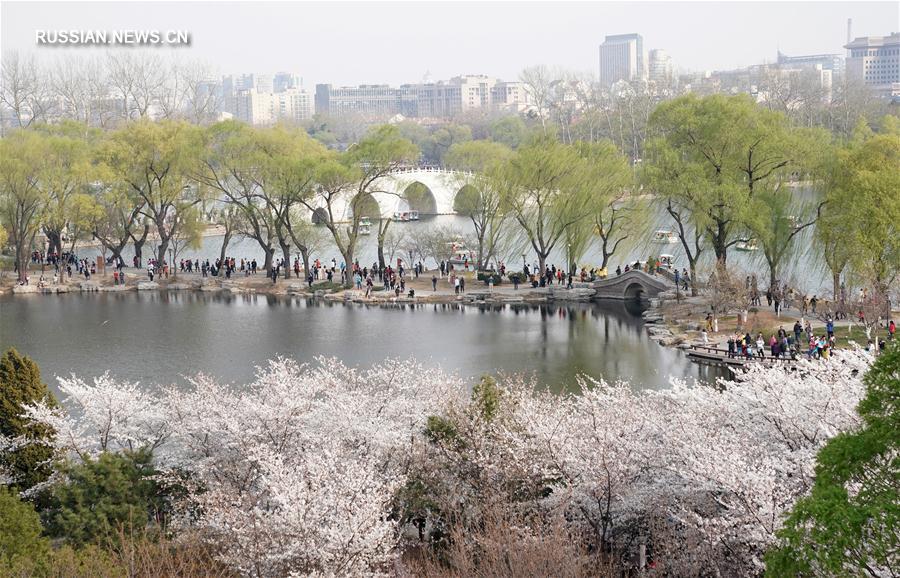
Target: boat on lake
<point>664,236</point>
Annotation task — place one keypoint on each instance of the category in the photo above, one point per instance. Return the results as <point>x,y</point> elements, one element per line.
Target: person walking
<point>892,329</point>
<point>434,282</point>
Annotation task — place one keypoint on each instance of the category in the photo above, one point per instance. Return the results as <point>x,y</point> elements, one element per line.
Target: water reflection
<point>159,337</point>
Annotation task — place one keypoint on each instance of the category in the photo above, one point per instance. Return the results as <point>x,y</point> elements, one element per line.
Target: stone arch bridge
<point>428,190</point>
<point>630,285</point>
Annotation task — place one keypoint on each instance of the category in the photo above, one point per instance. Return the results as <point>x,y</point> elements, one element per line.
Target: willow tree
<point>545,187</point>
<point>777,214</point>
<point>232,165</point>
<point>22,201</point>
<point>478,195</point>
<point>613,211</point>
<point>680,187</point>
<point>289,159</point>
<point>157,161</point>
<point>67,169</point>
<point>733,149</point>
<point>872,181</point>
<point>344,185</point>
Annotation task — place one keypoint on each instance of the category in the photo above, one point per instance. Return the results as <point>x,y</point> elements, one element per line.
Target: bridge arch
<point>417,196</point>
<point>634,292</point>
<point>368,206</point>
<point>631,286</point>
<point>466,200</point>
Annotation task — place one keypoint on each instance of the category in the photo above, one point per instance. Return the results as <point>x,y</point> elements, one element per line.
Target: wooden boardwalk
<point>719,356</point>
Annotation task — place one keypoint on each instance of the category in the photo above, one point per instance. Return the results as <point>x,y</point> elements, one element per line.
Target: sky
<point>349,43</point>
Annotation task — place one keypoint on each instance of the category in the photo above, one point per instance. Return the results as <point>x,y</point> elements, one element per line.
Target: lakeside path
<point>137,280</point>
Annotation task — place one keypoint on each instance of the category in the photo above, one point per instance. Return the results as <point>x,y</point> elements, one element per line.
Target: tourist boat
<point>663,236</point>
<point>405,216</point>
<point>667,261</point>
<point>365,226</point>
<point>794,221</point>
<point>414,215</point>
<point>746,245</point>
<point>460,255</point>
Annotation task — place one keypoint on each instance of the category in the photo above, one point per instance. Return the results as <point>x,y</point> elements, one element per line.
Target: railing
<point>429,169</point>
<point>740,356</point>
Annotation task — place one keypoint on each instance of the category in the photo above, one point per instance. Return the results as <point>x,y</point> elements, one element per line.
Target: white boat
<point>414,215</point>
<point>365,226</point>
<point>746,245</point>
<point>663,236</point>
<point>460,255</point>
<point>667,261</point>
<point>401,216</point>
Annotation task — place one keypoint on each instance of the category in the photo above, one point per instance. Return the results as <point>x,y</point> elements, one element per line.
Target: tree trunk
<point>161,250</point>
<point>139,244</point>
<point>225,240</point>
<point>348,261</point>
<point>54,241</point>
<point>270,253</point>
<point>22,258</point>
<point>286,256</point>
<point>304,254</point>
<point>381,234</point>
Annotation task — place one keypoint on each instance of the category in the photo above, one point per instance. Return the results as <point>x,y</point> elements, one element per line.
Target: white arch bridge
<point>427,190</point>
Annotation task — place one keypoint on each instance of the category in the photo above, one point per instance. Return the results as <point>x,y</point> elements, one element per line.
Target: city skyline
<point>274,36</point>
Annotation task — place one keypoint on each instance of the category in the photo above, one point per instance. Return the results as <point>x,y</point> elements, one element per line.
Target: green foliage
<point>486,397</point>
<point>440,429</point>
<point>848,525</point>
<point>509,131</point>
<point>713,156</point>
<point>487,277</point>
<point>114,491</point>
<point>21,543</point>
<point>21,385</point>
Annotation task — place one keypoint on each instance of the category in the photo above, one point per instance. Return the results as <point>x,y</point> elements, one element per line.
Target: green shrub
<point>20,385</point>
<point>22,548</point>
<point>488,276</point>
<point>849,523</point>
<point>103,495</point>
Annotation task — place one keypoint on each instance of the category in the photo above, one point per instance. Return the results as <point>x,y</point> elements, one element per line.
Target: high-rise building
<point>285,81</point>
<point>262,108</point>
<point>660,69</point>
<point>832,62</point>
<point>875,60</point>
<point>622,58</point>
<point>444,99</point>
<point>368,100</point>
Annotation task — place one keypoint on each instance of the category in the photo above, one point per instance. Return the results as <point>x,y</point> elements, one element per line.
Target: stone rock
<point>320,293</point>
<point>671,340</point>
<point>178,287</point>
<point>147,286</point>
<point>25,289</point>
<point>114,288</point>
<point>294,288</point>
<point>210,288</point>
<point>90,286</point>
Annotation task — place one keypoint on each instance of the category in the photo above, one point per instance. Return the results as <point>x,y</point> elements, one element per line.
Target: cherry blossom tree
<point>318,469</point>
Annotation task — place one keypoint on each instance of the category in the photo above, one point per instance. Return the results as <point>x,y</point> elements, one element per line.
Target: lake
<point>159,337</point>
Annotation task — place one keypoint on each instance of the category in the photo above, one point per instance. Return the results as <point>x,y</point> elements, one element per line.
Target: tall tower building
<point>622,58</point>
<point>660,69</point>
<point>875,61</point>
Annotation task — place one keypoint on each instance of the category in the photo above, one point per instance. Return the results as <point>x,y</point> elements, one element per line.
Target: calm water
<point>160,337</point>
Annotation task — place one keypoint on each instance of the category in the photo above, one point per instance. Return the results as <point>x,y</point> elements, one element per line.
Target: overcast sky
<point>379,42</point>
